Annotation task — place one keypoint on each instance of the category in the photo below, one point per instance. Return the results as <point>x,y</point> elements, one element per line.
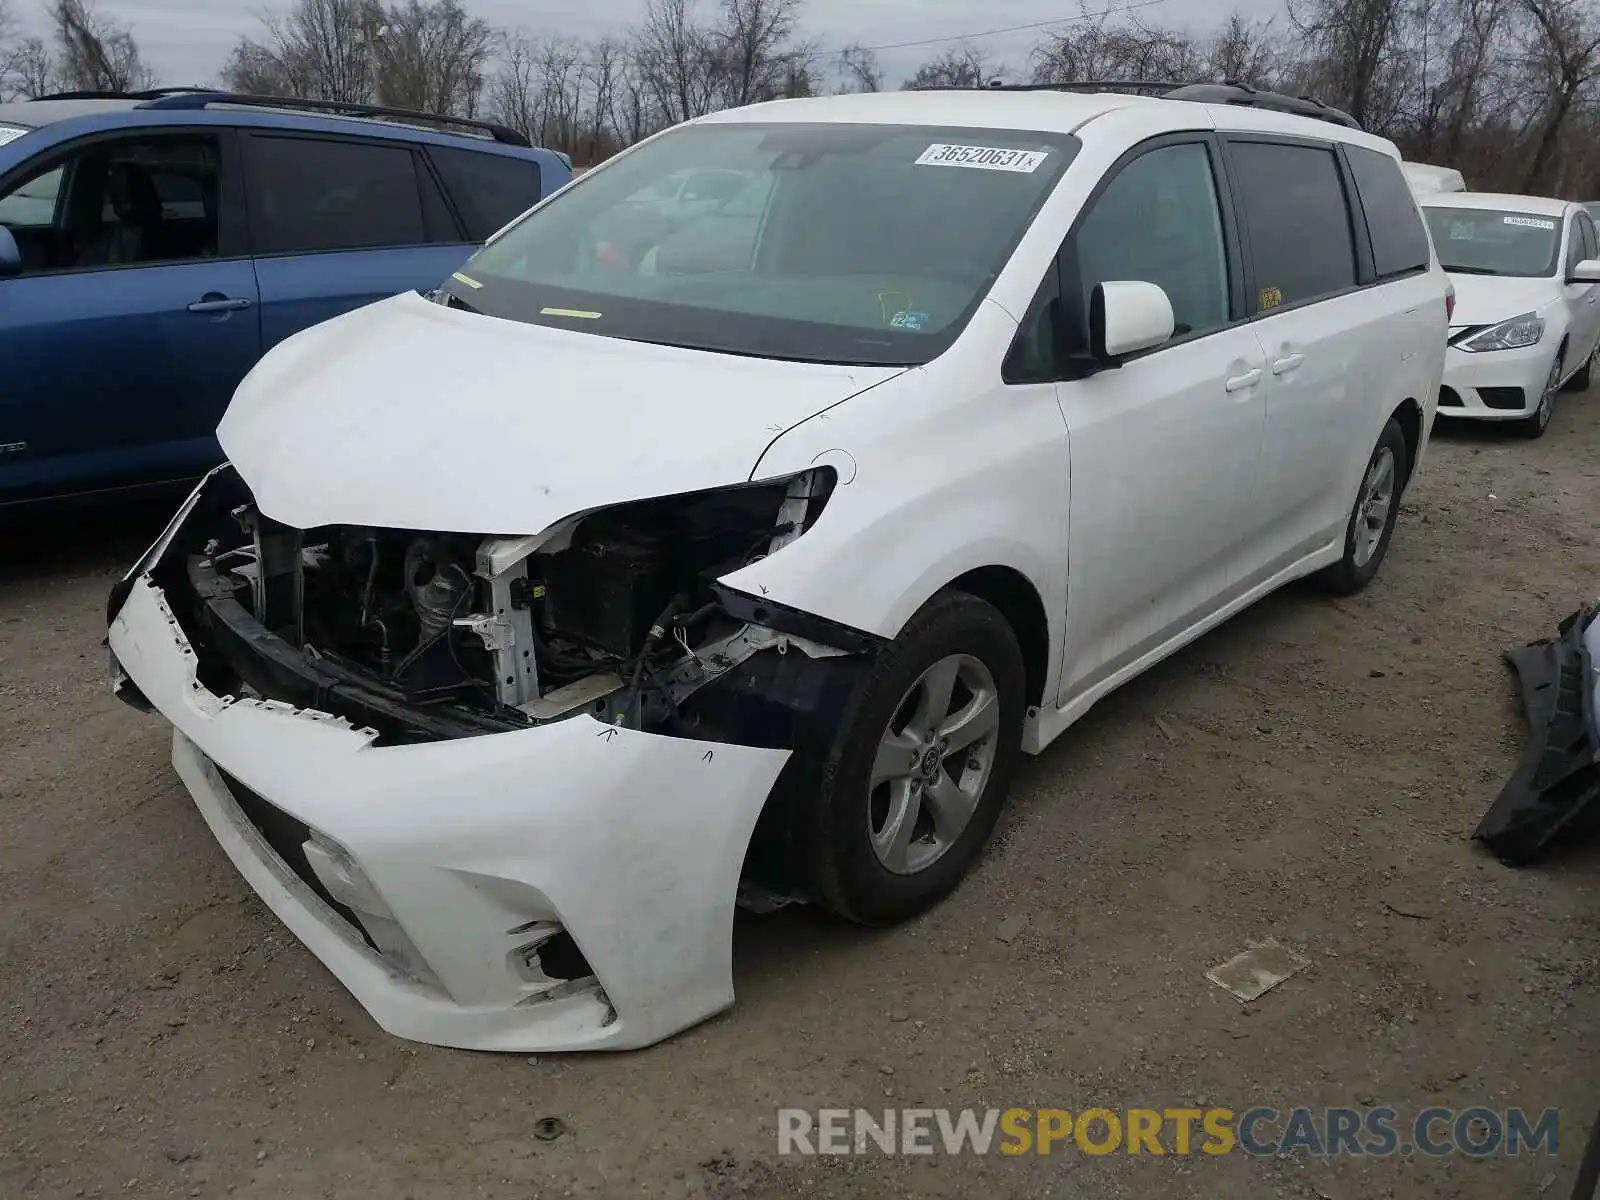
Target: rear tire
<point>1371,522</point>
<point>919,774</point>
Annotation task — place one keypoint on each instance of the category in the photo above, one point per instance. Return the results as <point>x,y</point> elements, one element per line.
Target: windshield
<point>1482,241</point>
<point>821,243</point>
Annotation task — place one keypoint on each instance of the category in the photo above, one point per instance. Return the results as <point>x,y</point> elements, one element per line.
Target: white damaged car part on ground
<point>667,558</point>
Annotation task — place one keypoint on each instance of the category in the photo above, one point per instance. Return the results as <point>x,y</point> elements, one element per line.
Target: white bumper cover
<point>457,857</point>
<point>1466,373</point>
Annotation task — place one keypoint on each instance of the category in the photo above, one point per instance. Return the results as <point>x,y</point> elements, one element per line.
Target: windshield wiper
<point>1471,270</point>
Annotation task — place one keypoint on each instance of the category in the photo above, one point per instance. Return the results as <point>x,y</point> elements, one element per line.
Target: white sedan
<point>1527,320</point>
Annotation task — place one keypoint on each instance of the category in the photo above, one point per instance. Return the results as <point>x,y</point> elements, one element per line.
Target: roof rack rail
<point>179,98</point>
<point>1227,92</point>
<point>147,94</point>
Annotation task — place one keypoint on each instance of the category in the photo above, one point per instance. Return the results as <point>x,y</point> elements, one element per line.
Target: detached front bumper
<point>565,887</point>
<point>1494,385</point>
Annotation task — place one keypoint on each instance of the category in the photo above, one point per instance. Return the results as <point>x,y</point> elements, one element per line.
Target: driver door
<point>1163,448</point>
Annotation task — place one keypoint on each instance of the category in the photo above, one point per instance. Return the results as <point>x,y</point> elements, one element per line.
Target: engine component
<point>607,589</point>
<point>436,586</point>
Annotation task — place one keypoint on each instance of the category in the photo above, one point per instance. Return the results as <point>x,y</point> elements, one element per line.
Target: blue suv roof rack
<point>189,98</point>
<point>1228,92</point>
<point>149,94</point>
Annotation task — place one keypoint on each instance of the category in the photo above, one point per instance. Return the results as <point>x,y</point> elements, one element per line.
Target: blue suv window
<point>489,189</point>
<point>120,202</point>
<point>310,194</point>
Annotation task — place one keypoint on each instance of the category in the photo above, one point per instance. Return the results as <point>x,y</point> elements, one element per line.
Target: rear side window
<point>309,195</point>
<point>1591,240</point>
<point>1297,222</point>
<point>489,189</point>
<point>1399,241</point>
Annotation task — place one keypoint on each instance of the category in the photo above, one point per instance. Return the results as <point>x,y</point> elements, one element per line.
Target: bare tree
<point>93,54</point>
<point>1355,54</point>
<point>254,69</point>
<point>541,89</point>
<point>33,69</point>
<point>1106,47</point>
<point>1242,52</point>
<point>320,50</point>
<point>755,51</point>
<point>860,69</point>
<point>604,72</point>
<point>1475,58</point>
<point>1565,48</point>
<point>432,56</point>
<point>1507,90</point>
<point>966,66</point>
<point>11,44</point>
<point>677,61</point>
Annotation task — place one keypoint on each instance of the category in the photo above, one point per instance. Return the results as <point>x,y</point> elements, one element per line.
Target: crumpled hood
<point>1488,299</point>
<point>410,415</point>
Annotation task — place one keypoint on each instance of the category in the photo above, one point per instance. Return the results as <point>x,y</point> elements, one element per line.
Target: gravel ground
<point>1312,772</point>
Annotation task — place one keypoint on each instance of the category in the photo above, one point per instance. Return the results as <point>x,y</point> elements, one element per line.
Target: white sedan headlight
<point>1525,330</point>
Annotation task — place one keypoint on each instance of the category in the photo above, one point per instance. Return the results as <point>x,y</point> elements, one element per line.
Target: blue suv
<point>154,246</point>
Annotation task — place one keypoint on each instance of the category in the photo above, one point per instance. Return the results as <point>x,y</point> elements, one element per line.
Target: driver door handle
<point>1248,380</point>
<point>1284,365</point>
<point>218,304</point>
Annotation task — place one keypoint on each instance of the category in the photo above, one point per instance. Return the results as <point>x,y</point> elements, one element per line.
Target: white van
<point>532,624</point>
<point>1425,178</point>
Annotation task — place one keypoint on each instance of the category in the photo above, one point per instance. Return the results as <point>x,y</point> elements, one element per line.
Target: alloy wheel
<point>933,764</point>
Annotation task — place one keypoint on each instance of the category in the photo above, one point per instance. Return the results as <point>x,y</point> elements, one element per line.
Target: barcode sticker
<point>1531,222</point>
<point>10,133</point>
<point>982,158</point>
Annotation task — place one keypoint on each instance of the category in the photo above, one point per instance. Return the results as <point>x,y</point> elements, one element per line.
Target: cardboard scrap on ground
<point>1258,970</point>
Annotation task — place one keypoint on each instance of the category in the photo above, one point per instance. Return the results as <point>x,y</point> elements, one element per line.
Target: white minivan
<point>535,623</point>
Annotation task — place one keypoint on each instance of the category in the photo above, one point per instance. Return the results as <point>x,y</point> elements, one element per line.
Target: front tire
<point>919,775</point>
<point>1535,423</point>
<point>1584,376</point>
<point>1371,523</point>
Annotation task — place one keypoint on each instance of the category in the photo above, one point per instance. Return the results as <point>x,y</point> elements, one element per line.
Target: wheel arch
<point>1408,415</point>
<point>1018,601</point>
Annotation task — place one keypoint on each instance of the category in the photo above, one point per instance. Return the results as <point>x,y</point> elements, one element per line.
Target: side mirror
<point>1126,317</point>
<point>1588,271</point>
<point>11,257</point>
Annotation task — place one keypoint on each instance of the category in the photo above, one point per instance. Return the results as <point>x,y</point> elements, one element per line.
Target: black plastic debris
<point>1555,791</point>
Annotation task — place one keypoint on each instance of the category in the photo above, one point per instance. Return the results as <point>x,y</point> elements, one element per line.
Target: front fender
<point>953,471</point>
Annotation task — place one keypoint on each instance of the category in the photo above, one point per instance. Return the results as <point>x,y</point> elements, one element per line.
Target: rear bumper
<point>436,880</point>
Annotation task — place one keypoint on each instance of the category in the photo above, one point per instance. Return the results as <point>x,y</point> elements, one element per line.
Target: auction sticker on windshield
<point>10,133</point>
<point>984,158</point>
<point>1531,222</point>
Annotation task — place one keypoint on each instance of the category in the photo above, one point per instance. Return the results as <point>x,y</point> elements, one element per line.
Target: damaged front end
<point>506,787</point>
<point>421,635</point>
<point>1555,791</point>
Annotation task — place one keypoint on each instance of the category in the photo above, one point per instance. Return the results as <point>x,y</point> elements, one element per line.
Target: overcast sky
<point>186,41</point>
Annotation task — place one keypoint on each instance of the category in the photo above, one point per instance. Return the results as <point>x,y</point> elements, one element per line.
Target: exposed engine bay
<point>616,613</point>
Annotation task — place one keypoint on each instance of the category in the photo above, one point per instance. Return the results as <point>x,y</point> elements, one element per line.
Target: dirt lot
<point>1311,772</point>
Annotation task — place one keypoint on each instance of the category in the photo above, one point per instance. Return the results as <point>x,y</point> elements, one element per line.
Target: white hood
<point>410,415</point>
<point>1490,299</point>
